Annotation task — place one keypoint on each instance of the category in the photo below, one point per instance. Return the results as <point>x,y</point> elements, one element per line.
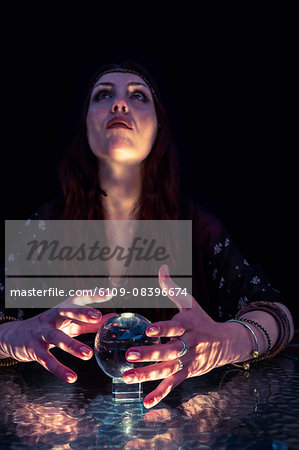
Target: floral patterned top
<point>223,281</point>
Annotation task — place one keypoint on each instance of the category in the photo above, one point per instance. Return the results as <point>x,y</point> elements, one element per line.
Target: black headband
<point>153,89</point>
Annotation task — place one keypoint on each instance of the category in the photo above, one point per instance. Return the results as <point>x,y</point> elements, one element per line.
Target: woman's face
<point>121,119</point>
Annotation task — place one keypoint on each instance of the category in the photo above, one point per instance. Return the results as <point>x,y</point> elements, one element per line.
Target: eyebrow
<point>132,83</point>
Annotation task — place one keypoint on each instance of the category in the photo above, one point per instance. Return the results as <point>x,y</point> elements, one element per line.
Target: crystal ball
<point>115,337</point>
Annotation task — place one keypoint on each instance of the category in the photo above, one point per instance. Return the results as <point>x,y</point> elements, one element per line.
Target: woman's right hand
<point>31,339</point>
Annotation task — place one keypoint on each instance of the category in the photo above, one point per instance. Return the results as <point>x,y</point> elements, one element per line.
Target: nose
<point>119,105</point>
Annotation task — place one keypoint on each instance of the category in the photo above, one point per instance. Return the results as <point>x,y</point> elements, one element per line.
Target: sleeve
<point>233,282</point>
<point>44,212</point>
<point>12,238</point>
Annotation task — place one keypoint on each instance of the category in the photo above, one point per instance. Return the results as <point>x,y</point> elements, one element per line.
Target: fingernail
<point>153,330</point>
<point>93,314</point>
<point>133,355</point>
<point>164,270</point>
<point>130,377</point>
<point>70,377</point>
<point>151,402</point>
<point>85,351</point>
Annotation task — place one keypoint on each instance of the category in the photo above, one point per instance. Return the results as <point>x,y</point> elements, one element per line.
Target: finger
<point>61,340</point>
<point>95,296</point>
<point>93,327</point>
<point>182,301</point>
<point>75,326</point>
<point>89,315</point>
<point>163,389</point>
<point>152,372</point>
<point>50,363</point>
<point>167,328</point>
<point>157,352</point>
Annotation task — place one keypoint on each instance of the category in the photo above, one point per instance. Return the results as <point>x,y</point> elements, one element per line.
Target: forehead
<point>121,79</point>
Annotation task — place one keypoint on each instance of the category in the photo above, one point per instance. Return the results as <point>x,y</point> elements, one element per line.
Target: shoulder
<point>202,218</point>
<point>51,209</point>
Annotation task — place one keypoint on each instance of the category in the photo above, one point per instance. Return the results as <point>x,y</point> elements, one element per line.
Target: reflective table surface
<point>220,410</point>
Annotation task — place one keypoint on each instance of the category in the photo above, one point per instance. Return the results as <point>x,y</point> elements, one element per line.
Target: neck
<point>123,187</point>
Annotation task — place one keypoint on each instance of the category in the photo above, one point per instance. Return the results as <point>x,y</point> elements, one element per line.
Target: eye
<point>139,95</point>
<point>102,94</point>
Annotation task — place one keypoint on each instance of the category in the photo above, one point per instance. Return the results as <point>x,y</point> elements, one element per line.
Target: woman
<point>123,166</point>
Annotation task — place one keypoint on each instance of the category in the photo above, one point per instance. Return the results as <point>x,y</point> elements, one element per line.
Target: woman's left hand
<point>208,344</point>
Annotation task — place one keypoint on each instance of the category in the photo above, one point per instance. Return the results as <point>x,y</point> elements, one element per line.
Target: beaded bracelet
<point>6,362</point>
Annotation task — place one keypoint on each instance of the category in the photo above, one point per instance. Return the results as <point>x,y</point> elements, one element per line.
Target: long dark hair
<point>78,172</point>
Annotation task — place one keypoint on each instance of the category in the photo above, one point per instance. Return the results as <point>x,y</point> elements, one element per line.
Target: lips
<point>119,122</point>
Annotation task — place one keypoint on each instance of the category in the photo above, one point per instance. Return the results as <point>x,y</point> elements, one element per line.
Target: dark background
<point>230,93</point>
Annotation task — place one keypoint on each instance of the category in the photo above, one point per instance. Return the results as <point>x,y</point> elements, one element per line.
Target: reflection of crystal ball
<point>115,337</point>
